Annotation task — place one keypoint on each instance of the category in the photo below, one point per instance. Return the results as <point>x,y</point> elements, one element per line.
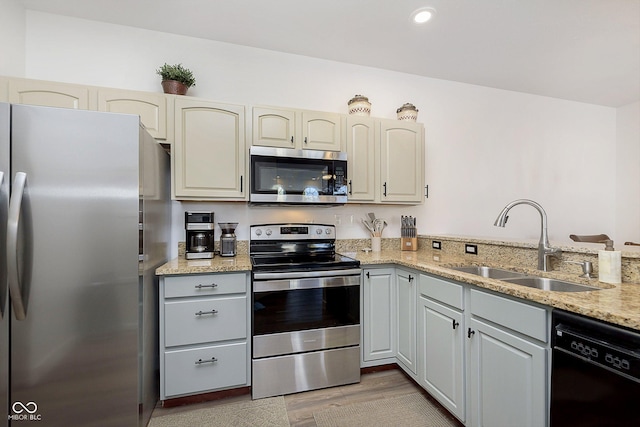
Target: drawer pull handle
<point>470,332</point>
<point>200,313</point>
<point>213,285</point>
<point>200,361</point>
<point>455,324</point>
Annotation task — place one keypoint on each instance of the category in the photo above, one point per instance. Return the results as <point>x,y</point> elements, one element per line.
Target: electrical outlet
<point>436,245</point>
<point>470,249</point>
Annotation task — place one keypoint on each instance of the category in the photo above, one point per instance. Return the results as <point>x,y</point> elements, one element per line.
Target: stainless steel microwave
<point>287,176</point>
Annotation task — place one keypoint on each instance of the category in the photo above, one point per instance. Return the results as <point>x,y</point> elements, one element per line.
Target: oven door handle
<point>306,274</point>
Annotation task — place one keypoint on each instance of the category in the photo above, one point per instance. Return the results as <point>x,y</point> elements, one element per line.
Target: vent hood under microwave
<point>282,176</point>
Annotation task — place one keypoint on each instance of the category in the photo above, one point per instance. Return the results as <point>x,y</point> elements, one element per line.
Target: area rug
<point>408,410</point>
<point>270,412</point>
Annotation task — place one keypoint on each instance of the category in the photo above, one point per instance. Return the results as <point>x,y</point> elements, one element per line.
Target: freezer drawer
<point>206,368</point>
<point>204,320</point>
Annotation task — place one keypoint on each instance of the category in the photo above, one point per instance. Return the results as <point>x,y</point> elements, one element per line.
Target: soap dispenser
<point>609,264</point>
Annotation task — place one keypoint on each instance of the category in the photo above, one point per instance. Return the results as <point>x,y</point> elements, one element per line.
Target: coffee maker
<point>199,227</point>
<point>228,238</point>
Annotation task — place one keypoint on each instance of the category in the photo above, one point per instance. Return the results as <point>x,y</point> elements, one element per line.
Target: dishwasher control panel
<point>614,348</point>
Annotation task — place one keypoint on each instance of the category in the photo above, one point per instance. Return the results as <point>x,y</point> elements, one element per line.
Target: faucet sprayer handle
<point>593,238</point>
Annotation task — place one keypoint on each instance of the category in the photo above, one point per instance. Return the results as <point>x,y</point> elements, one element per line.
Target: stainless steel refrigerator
<point>84,222</point>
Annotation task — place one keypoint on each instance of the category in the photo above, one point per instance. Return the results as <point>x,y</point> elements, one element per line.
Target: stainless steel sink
<point>551,284</point>
<point>524,279</point>
<point>489,272</point>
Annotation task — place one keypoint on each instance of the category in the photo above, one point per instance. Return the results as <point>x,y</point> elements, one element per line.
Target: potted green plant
<point>176,79</point>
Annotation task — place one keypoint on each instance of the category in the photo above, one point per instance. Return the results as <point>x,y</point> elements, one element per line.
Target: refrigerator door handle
<point>13,225</point>
<point>1,225</point>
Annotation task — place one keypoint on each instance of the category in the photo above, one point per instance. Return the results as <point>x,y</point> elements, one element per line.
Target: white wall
<point>628,174</point>
<point>485,147</point>
<point>12,34</point>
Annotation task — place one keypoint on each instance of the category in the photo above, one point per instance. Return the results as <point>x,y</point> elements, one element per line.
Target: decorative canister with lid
<point>359,105</point>
<point>407,112</point>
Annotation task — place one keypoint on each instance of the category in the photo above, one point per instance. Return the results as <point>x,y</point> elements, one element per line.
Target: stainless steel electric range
<point>306,310</point>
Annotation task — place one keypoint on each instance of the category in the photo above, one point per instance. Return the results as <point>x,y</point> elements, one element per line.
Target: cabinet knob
<point>305,139</point>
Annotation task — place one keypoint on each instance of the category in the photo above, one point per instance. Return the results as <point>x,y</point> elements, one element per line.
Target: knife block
<point>409,243</point>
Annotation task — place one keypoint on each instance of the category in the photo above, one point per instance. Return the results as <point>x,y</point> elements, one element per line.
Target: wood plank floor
<point>301,406</point>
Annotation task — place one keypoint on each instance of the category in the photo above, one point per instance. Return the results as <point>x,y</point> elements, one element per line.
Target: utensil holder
<point>376,244</point>
<point>409,243</point>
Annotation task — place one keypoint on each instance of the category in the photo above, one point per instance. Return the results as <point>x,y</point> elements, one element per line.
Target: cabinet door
<point>508,378</point>
<point>208,151</point>
<point>379,314</point>
<point>361,158</point>
<point>321,131</point>
<point>406,318</point>
<point>151,107</point>
<point>48,94</point>
<point>441,354</point>
<point>273,127</point>
<point>4,89</point>
<point>401,162</point>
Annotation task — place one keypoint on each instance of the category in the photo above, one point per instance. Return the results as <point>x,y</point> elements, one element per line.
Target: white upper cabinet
<point>385,160</point>
<point>321,131</point>
<point>51,94</point>
<point>4,86</point>
<point>209,151</point>
<point>297,129</point>
<point>361,157</point>
<point>274,127</point>
<point>401,162</point>
<point>151,107</point>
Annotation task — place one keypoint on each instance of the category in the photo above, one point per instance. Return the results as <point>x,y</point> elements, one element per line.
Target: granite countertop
<point>618,304</point>
<point>218,264</point>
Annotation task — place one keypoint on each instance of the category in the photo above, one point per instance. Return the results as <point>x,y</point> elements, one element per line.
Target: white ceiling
<point>582,50</point>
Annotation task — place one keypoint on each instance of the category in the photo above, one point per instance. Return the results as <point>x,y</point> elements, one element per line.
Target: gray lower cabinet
<point>483,356</point>
<point>406,292</point>
<point>508,367</point>
<point>441,335</point>
<point>204,330</point>
<point>378,316</point>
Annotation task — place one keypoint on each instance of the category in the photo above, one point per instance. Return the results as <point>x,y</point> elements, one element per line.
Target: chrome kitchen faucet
<point>544,247</point>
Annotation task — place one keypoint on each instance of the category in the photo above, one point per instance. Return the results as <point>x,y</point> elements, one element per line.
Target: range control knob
<point>258,232</point>
<point>327,231</point>
<point>318,231</point>
<point>268,232</point>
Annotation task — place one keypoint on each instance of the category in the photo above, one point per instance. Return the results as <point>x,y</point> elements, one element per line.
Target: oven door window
<point>301,309</point>
<point>303,177</point>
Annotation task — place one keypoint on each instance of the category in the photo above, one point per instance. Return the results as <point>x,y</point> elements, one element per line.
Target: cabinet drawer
<point>443,291</point>
<point>520,317</point>
<point>183,374</point>
<point>193,321</point>
<point>204,284</point>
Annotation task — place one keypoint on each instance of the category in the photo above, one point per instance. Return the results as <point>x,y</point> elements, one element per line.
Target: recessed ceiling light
<point>422,15</point>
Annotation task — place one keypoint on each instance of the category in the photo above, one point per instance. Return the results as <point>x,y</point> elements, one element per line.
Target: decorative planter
<point>359,106</point>
<point>407,112</point>
<point>174,87</point>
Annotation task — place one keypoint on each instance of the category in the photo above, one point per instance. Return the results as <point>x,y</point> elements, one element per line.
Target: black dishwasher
<point>595,373</point>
